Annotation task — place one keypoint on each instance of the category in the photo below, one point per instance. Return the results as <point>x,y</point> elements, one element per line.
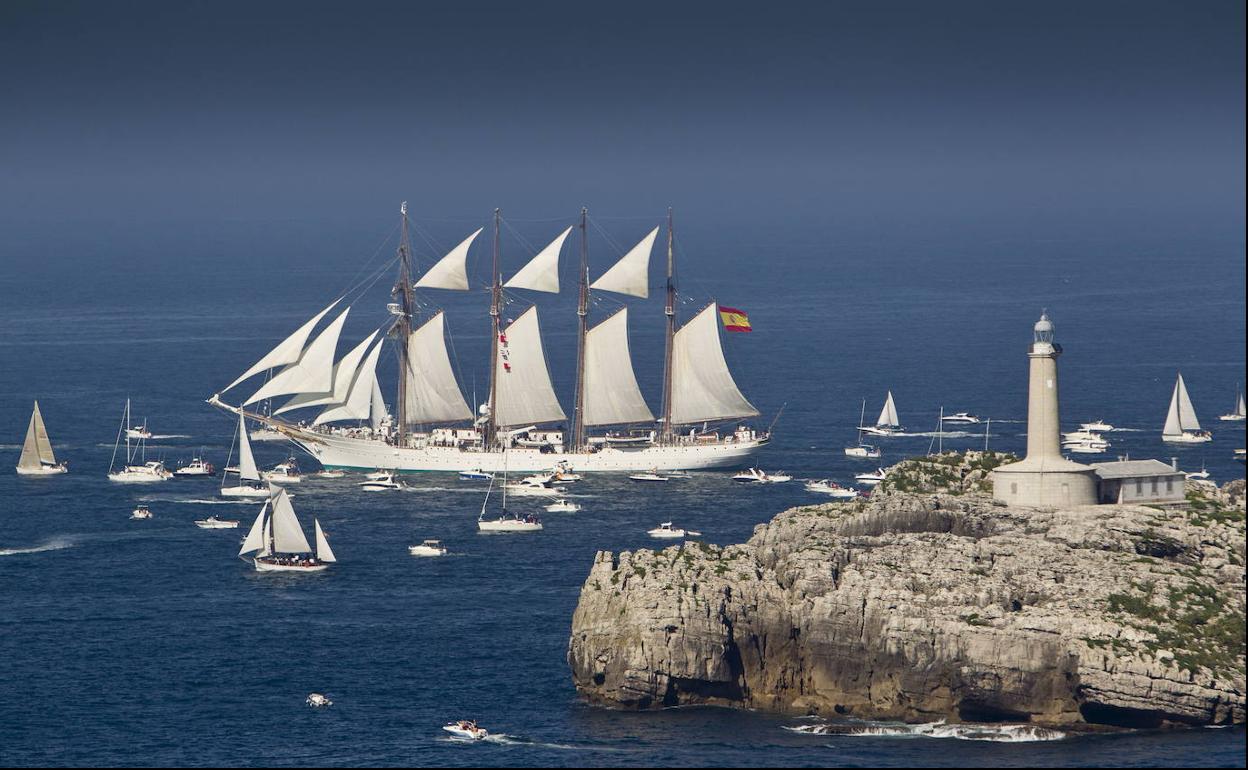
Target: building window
<point>1169,485</point>
<point>1139,487</point>
<point>1156,486</point>
<point>1013,489</point>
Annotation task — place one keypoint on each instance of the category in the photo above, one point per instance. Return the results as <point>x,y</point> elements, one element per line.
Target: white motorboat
<point>1086,447</point>
<point>141,512</point>
<point>284,473</point>
<point>757,476</point>
<point>563,505</point>
<point>679,475</point>
<point>317,700</point>
<point>1237,415</point>
<point>887,424</point>
<point>1096,426</point>
<point>649,476</point>
<point>466,728</point>
<point>538,485</point>
<point>562,474</point>
<point>37,458</point>
<point>196,468</point>
<point>1078,436</point>
<point>379,475</point>
<point>1239,455</point>
<point>141,432</point>
<point>475,475</point>
<point>380,482</point>
<point>428,548</point>
<point>863,451</point>
<point>329,473</point>
<point>142,472</point>
<point>1200,475</point>
<point>212,522</point>
<point>1181,426</point>
<point>248,483</point>
<point>871,478</point>
<point>963,418</point>
<point>667,531</point>
<point>832,489</point>
<point>277,543</point>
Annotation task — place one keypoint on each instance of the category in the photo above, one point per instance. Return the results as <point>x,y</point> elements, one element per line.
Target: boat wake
<point>158,436</point>
<point>503,739</point>
<point>946,434</point>
<point>55,544</point>
<point>997,733</point>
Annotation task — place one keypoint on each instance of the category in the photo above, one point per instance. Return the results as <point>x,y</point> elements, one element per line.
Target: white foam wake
<point>55,544</point>
<point>998,733</point>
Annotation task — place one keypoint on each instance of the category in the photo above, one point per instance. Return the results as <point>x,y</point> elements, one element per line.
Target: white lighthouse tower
<point>1044,477</point>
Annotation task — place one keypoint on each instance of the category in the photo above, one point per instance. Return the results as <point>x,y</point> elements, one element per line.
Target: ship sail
<point>631,274</point>
<point>257,538</point>
<point>288,536</point>
<point>702,386</point>
<point>524,394</point>
<point>542,272</point>
<point>888,415</point>
<point>323,551</point>
<point>377,412</point>
<point>1182,415</point>
<point>1239,406</point>
<point>288,351</point>
<point>344,375</point>
<point>611,393</point>
<point>247,470</point>
<point>313,372</point>
<point>450,272</point>
<point>433,393</point>
<point>37,448</point>
<point>358,402</point>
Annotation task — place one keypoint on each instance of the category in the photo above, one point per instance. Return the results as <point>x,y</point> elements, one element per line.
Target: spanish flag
<point>734,320</point>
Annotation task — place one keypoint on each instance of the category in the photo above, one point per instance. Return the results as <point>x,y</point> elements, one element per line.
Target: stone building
<point>1141,481</point>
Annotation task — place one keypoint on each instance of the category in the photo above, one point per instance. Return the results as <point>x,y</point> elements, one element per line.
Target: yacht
<point>248,483</point>
<point>863,452</point>
<point>1086,447</point>
<point>1181,426</point>
<point>466,728</point>
<point>143,472</point>
<point>506,521</point>
<point>667,531</point>
<point>563,505</point>
<point>380,482</point>
<point>195,469</point>
<point>428,548</point>
<point>212,522</point>
<point>1238,414</point>
<point>756,476</point>
<point>37,458</point>
<point>963,418</point>
<point>648,476</point>
<point>832,489</point>
<point>330,473</point>
<point>872,478</point>
<point>1200,475</point>
<point>538,485</point>
<point>887,424</point>
<point>284,473</point>
<point>141,512</point>
<point>1096,426</point>
<point>276,541</point>
<point>475,475</point>
<point>140,432</point>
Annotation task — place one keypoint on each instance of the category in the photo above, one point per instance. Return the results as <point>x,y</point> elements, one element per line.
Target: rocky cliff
<point>918,606</point>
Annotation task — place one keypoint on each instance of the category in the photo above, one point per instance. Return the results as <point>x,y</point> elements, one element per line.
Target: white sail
<point>37,448</point>
<point>247,470</point>
<point>433,393</point>
<point>611,393</point>
<point>702,386</point>
<point>1239,406</point>
<point>287,351</point>
<point>358,402</point>
<point>344,375</point>
<point>256,540</point>
<point>323,551</point>
<point>542,272</point>
<point>313,372</point>
<point>450,272</point>
<point>288,536</point>
<point>631,275</point>
<point>524,394</point>
<point>1182,415</point>
<point>377,413</point>
<point>888,415</point>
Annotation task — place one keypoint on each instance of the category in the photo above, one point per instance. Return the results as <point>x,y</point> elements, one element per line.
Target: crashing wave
<point>999,733</point>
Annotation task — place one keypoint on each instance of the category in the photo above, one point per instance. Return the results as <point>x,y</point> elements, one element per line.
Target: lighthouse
<point>1044,477</point>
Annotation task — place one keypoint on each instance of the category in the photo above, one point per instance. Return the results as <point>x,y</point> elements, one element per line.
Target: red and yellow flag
<point>734,320</point>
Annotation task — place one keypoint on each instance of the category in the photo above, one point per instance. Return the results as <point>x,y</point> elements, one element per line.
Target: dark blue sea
<point>148,643</point>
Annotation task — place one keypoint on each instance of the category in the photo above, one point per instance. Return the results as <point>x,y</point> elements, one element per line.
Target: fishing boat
<point>276,541</point>
<point>249,482</point>
<point>428,548</point>
<point>380,482</point>
<point>563,505</point>
<point>703,411</point>
<point>1237,415</point>
<point>961,418</point>
<point>37,457</point>
<point>1181,426</point>
<point>649,476</point>
<point>212,522</point>
<point>887,424</point>
<point>667,531</point>
<point>871,478</point>
<point>141,512</point>
<point>144,471</point>
<point>832,489</point>
<point>286,472</point>
<point>195,469</point>
<point>475,475</point>
<point>466,728</point>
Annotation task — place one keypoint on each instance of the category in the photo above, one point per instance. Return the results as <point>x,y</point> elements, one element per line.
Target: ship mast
<point>582,312</point>
<point>496,301</point>
<point>403,327</point>
<point>670,311</point>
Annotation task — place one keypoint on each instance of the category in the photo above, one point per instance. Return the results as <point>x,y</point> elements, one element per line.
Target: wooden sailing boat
<point>1181,426</point>
<point>37,457</point>
<point>277,544</point>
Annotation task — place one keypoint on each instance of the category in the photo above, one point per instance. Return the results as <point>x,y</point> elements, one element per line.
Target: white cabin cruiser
<point>141,512</point>
<point>317,700</point>
<point>757,476</point>
<point>330,473</point>
<point>380,482</point>
<point>1086,447</point>
<point>196,468</point>
<point>832,489</point>
<point>466,728</point>
<point>533,486</point>
<point>871,478</point>
<point>475,475</point>
<point>863,452</point>
<point>667,531</point>
<point>141,432</point>
<point>428,548</point>
<point>963,418</point>
<point>37,457</point>
<point>212,522</point>
<point>1181,426</point>
<point>563,505</point>
<point>652,475</point>
<point>277,543</point>
<point>379,475</point>
<point>1096,426</point>
<point>284,473</point>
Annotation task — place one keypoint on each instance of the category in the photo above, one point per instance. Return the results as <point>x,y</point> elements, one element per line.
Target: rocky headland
<point>928,601</point>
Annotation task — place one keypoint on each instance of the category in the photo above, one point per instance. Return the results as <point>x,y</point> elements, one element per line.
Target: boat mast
<point>670,311</point>
<point>496,301</point>
<point>582,312</point>
<point>403,327</point>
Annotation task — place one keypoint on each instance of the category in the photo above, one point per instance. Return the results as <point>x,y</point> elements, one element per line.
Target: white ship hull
<point>1187,438</point>
<point>269,566</point>
<point>46,470</point>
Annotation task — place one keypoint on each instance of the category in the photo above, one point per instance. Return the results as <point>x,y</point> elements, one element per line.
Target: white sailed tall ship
<point>434,428</point>
<point>887,424</point>
<point>1182,427</point>
<point>277,544</point>
<point>37,458</point>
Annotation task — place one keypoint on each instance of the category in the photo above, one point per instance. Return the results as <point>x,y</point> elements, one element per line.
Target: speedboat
<point>141,512</point>
<point>379,475</point>
<point>510,522</point>
<point>380,482</point>
<point>756,476</point>
<point>863,451</point>
<point>832,489</point>
<point>679,475</point>
<point>666,530</point>
<point>466,728</point>
<point>1077,436</point>
<point>196,468</point>
<point>212,522</point>
<point>562,474</point>
<point>648,476</point>
<point>316,700</point>
<point>1096,426</point>
<point>563,505</point>
<point>1086,447</point>
<point>1239,455</point>
<point>139,432</point>
<point>151,471</point>
<point>475,475</point>
<point>1200,475</point>
<point>327,473</point>
<point>965,418</point>
<point>533,486</point>
<point>871,478</point>
<point>284,473</point>
<point>428,548</point>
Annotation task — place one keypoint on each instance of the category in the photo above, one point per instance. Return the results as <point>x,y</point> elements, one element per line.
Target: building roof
<point>1127,469</point>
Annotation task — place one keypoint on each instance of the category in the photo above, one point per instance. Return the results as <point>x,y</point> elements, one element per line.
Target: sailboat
<point>434,429</point>
<point>130,473</point>
<point>1238,414</point>
<point>248,484</point>
<point>1181,426</point>
<point>37,457</point>
<point>887,424</point>
<point>277,543</point>
<point>506,521</point>
<point>862,450</point>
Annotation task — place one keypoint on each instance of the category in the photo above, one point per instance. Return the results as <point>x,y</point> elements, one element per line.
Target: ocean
<point>148,643</point>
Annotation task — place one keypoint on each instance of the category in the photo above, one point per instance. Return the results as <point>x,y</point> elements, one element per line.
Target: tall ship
<point>611,428</point>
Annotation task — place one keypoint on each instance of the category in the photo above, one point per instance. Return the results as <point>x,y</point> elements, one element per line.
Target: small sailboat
<point>1181,426</point>
<point>131,473</point>
<point>832,489</point>
<point>248,484</point>
<point>466,728</point>
<point>506,521</point>
<point>195,469</point>
<point>563,505</point>
<point>382,481</point>
<point>666,530</point>
<point>961,418</point>
<point>428,548</point>
<point>871,478</point>
<point>212,522</point>
<point>1238,414</point>
<point>283,473</point>
<point>475,475</point>
<point>277,543</point>
<point>141,512</point>
<point>37,458</point>
<point>887,424</point>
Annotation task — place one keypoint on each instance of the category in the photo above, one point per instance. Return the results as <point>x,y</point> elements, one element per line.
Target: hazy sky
<point>149,111</point>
